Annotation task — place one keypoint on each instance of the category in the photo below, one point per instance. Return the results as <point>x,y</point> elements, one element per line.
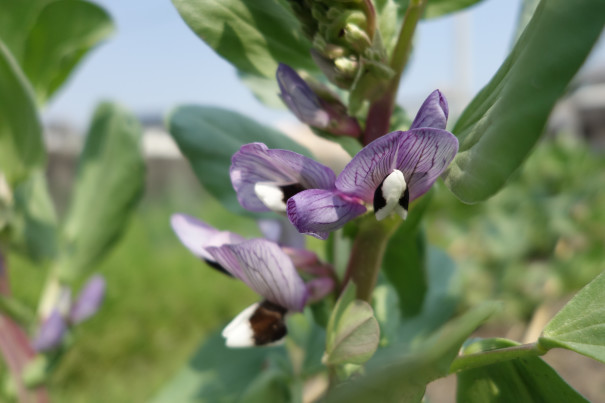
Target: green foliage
<point>21,147</point>
<point>438,8</point>
<point>525,379</point>
<point>209,136</point>
<point>353,332</point>
<point>109,184</point>
<point>64,32</point>
<point>580,325</point>
<point>253,35</point>
<point>503,122</point>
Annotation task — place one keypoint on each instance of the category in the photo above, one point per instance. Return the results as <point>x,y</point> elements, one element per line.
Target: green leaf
<point>526,379</point>
<point>109,184</point>
<point>400,377</point>
<point>21,147</point>
<point>404,262</point>
<point>220,374</point>
<point>64,32</point>
<point>33,225</point>
<point>353,332</point>
<point>501,125</point>
<point>580,325</point>
<point>253,35</point>
<point>264,89</point>
<point>209,136</point>
<point>16,19</point>
<point>438,8</point>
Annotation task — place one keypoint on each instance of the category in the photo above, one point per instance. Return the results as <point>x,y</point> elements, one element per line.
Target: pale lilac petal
<point>319,288</point>
<point>50,334</point>
<point>300,98</point>
<point>364,173</point>
<point>423,155</point>
<point>255,163</point>
<point>197,235</point>
<point>300,257</point>
<point>90,299</point>
<point>265,268</point>
<point>433,112</point>
<point>282,232</point>
<point>317,212</point>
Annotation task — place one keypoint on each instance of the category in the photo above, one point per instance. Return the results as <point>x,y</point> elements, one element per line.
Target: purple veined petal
<point>51,332</point>
<point>197,235</point>
<point>317,212</point>
<point>265,268</point>
<point>320,288</point>
<point>423,155</point>
<point>89,301</point>
<point>433,113</point>
<point>300,98</point>
<point>282,232</point>
<point>289,172</point>
<point>366,171</point>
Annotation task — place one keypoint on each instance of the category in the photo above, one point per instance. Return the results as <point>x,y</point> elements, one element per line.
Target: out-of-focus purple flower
<point>89,301</point>
<point>50,335</point>
<point>265,179</point>
<point>323,112</point>
<point>281,231</point>
<point>388,173</point>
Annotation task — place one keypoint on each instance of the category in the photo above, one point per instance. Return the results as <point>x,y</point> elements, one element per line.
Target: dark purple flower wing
<point>433,113</point>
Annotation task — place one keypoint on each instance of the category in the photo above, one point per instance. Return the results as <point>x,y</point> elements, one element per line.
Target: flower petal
<point>433,112</point>
<point>317,212</point>
<point>265,268</point>
<point>300,98</point>
<point>90,299</point>
<point>423,155</point>
<point>50,334</point>
<point>261,324</point>
<point>319,288</point>
<point>255,163</point>
<point>197,235</point>
<point>366,171</point>
<point>282,232</point>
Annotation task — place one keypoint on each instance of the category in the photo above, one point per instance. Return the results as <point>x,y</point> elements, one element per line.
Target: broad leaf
<point>16,20</point>
<point>220,374</point>
<point>209,136</point>
<point>580,325</point>
<point>253,35</point>
<point>109,184</point>
<point>63,33</point>
<point>504,121</point>
<point>403,377</point>
<point>527,379</point>
<point>353,332</point>
<point>438,8</point>
<point>21,147</point>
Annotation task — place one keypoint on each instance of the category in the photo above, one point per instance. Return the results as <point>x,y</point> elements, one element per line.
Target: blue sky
<point>154,62</point>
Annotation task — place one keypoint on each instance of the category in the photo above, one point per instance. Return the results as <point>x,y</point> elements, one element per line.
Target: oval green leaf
<point>503,122</point>
<point>209,136</point>
<point>253,35</point>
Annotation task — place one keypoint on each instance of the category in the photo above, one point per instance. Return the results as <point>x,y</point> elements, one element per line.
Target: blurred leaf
<point>64,32</point>
<point>16,20</point>
<point>438,8</point>
<point>220,374</point>
<point>209,136</point>
<point>528,7</point>
<point>404,262</point>
<point>580,325</point>
<point>351,145</point>
<point>311,338</point>
<point>388,315</point>
<point>21,147</point>
<point>388,21</point>
<point>353,332</point>
<point>264,89</point>
<point>253,35</point>
<point>403,377</point>
<point>109,184</point>
<point>526,379</point>
<point>34,223</point>
<point>504,121</point>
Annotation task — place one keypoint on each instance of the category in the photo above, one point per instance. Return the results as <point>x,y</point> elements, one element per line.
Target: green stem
<point>484,358</point>
<point>367,253</point>
<point>381,110</point>
<point>16,310</point>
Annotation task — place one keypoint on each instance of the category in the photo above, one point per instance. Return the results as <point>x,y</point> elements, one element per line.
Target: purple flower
<point>265,179</point>
<point>50,334</point>
<point>320,109</point>
<point>90,299</point>
<point>388,173</point>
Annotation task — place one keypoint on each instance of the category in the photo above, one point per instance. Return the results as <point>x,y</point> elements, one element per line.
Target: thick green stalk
<point>367,253</point>
<point>381,110</point>
<point>484,358</point>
